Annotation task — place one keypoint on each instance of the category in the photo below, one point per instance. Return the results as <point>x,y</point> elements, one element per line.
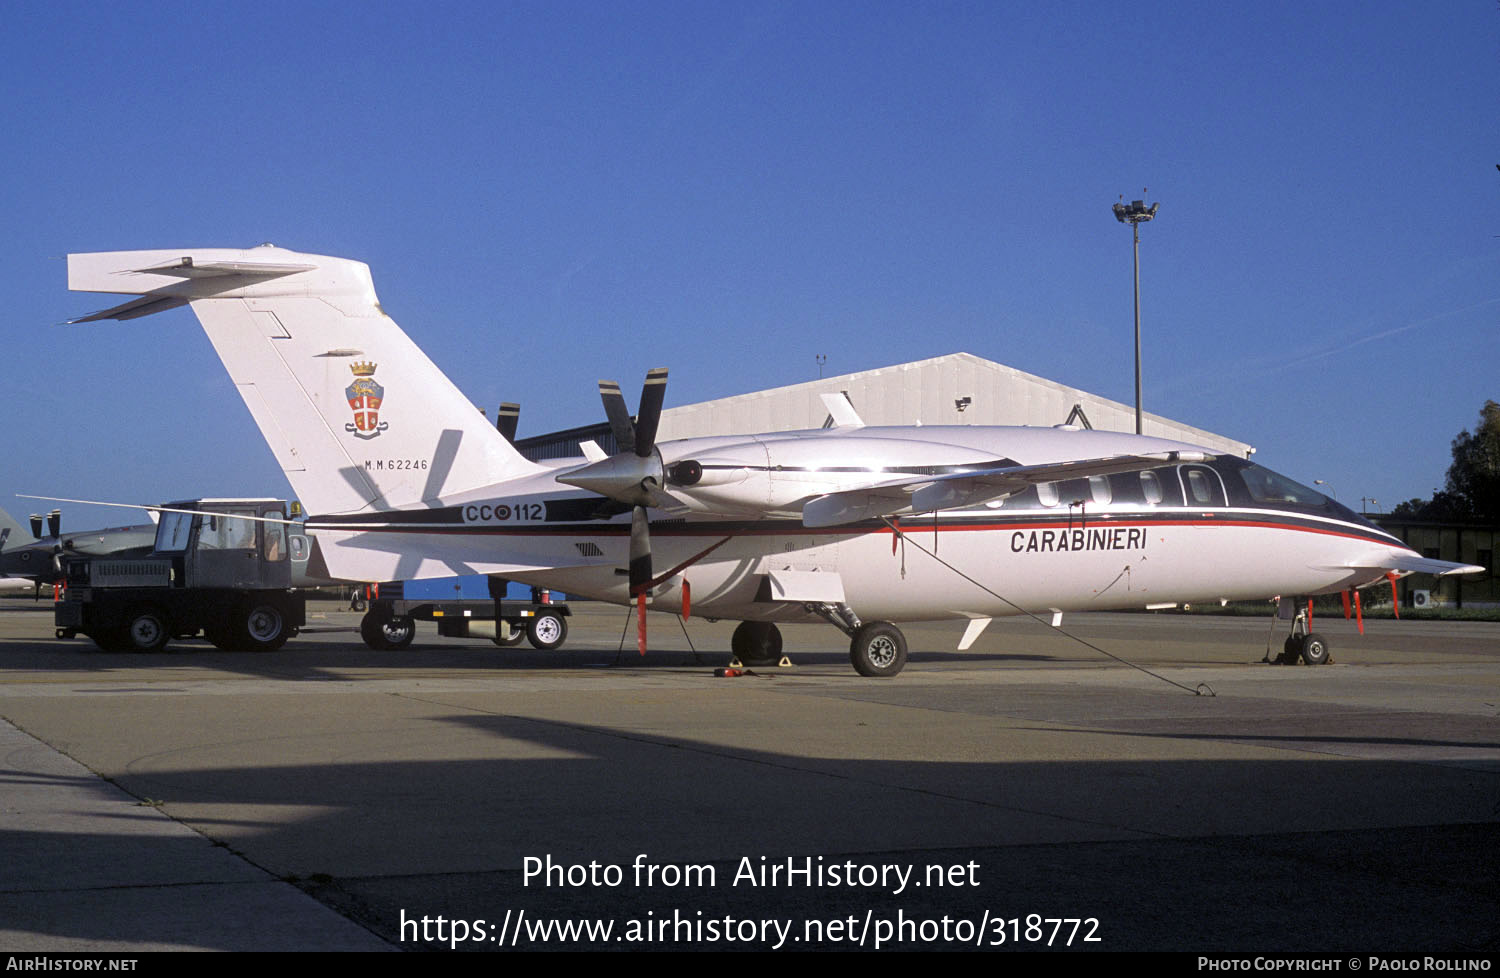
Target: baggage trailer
<point>390,622</point>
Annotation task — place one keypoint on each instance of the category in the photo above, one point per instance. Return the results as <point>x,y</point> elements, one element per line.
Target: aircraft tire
<point>878,650</point>
<point>547,631</point>
<point>1314,650</point>
<point>1291,652</point>
<point>147,629</point>
<point>756,643</point>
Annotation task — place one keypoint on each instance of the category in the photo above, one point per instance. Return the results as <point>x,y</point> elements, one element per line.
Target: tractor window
<point>227,532</point>
<point>276,546</point>
<point>173,531</point>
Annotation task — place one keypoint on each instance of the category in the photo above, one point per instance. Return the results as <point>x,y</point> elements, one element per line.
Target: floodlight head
<point>1135,212</point>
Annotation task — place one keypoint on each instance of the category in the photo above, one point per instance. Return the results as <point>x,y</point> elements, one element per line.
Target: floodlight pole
<point>1134,215</point>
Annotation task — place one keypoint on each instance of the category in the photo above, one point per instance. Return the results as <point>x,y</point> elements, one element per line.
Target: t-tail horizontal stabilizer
<point>166,280</point>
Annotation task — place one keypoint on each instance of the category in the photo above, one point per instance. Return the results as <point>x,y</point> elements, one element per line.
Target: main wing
<point>1409,563</point>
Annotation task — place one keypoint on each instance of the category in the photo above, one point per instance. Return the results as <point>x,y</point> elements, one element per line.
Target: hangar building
<point>959,388</point>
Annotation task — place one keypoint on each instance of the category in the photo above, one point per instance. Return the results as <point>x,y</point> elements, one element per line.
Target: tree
<point>1474,476</point>
<point>1473,487</point>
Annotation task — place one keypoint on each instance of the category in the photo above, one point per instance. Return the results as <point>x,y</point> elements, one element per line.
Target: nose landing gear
<point>1303,645</point>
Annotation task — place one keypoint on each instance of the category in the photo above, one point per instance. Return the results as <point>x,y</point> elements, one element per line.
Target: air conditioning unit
<point>1422,599</point>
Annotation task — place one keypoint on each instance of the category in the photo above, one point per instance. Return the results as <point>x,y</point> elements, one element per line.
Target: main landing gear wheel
<point>756,643</point>
<point>546,631</point>
<point>878,649</point>
<point>386,634</point>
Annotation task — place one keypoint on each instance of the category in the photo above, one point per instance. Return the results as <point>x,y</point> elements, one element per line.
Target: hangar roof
<point>921,392</point>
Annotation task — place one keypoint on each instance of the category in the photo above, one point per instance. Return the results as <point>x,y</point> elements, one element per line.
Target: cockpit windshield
<point>1269,487</point>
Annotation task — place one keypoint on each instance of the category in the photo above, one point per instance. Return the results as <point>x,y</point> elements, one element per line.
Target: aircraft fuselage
<point>1197,531</point>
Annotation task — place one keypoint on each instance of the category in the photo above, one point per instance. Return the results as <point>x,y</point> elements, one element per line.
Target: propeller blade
<point>54,523</point>
<point>640,571</point>
<point>36,525</point>
<point>640,551</point>
<point>618,414</point>
<point>653,395</point>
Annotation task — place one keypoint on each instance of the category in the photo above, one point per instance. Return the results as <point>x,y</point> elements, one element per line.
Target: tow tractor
<point>219,566</point>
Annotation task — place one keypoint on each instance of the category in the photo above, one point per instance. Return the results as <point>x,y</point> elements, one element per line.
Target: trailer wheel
<point>517,634</point>
<point>386,634</point>
<point>399,632</point>
<point>261,627</point>
<point>547,631</point>
<point>147,629</point>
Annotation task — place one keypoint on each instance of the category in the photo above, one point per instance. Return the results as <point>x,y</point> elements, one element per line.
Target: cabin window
<point>1151,487</point>
<point>1046,493</point>
<point>1099,490</point>
<point>1201,486</point>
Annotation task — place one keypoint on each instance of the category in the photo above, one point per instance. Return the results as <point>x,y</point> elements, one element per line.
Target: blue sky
<point>550,193</point>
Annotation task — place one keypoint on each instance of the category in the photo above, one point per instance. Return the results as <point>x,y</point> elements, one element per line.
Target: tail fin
<point>357,415</point>
<point>13,534</point>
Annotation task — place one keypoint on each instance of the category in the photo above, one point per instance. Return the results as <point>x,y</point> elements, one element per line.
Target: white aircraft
<point>403,479</point>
